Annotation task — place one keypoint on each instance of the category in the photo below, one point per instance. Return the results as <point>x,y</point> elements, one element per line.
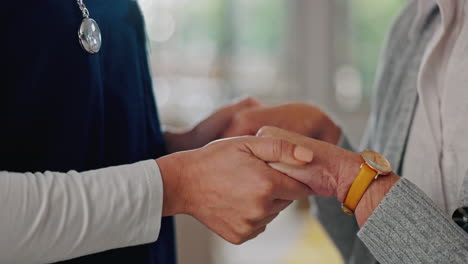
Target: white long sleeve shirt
<point>48,217</point>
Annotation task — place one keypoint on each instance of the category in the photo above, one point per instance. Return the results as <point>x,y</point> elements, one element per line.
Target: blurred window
<point>205,52</point>
<point>371,21</point>
<point>365,36</point>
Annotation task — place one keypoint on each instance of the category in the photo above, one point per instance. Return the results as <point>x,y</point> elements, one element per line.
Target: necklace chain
<point>83,8</point>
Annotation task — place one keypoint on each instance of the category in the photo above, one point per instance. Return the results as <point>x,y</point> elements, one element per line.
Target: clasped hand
<point>238,185</point>
<point>332,171</point>
<point>228,186</point>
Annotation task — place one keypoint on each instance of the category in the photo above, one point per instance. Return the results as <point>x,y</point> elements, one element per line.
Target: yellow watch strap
<point>358,188</point>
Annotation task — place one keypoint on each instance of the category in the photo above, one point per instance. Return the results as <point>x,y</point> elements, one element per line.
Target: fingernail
<point>303,154</point>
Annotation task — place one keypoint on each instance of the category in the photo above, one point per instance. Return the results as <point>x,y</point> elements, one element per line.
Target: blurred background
<point>205,53</point>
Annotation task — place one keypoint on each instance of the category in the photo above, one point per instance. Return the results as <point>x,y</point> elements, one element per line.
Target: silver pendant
<point>89,33</point>
<point>90,36</point>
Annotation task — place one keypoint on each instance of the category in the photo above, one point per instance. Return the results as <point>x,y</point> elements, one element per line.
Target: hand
<point>208,130</point>
<point>304,119</point>
<point>228,186</point>
<point>332,171</point>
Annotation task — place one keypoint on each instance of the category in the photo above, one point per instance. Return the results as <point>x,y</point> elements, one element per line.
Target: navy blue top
<point>62,108</point>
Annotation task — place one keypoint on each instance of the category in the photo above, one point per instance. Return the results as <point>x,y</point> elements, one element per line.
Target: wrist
<point>373,196</point>
<point>348,170</point>
<point>172,168</point>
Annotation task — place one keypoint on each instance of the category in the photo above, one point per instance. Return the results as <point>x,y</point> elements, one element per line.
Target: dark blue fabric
<point>62,108</point>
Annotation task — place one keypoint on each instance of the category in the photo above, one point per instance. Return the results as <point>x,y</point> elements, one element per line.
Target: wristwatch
<point>374,165</point>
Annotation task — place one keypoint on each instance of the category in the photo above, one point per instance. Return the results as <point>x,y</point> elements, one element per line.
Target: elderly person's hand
<point>331,172</point>
<point>301,118</point>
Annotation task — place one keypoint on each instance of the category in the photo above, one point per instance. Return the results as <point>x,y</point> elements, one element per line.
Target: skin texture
<point>228,186</point>
<point>332,171</point>
<point>301,118</point>
<point>209,129</point>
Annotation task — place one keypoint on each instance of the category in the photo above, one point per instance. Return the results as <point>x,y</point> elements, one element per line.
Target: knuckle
<point>287,148</point>
<point>262,229</point>
<point>281,148</point>
<point>239,119</point>
<point>266,188</point>
<point>258,212</point>
<point>236,240</point>
<point>244,230</point>
<point>233,238</point>
<point>277,146</point>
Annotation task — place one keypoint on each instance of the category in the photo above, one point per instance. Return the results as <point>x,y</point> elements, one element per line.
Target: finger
<point>287,188</point>
<point>243,124</point>
<point>256,232</point>
<point>212,128</point>
<point>227,112</point>
<point>265,221</point>
<point>279,150</point>
<point>279,205</point>
<point>300,173</point>
<point>298,139</point>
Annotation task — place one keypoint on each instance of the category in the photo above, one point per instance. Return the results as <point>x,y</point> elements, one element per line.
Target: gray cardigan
<point>407,227</point>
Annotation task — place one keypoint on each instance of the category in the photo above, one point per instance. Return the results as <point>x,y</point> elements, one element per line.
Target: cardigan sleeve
<point>407,227</point>
<point>51,216</point>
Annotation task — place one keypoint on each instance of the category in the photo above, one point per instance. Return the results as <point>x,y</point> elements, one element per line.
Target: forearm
<point>51,216</point>
<point>407,227</point>
<point>400,224</point>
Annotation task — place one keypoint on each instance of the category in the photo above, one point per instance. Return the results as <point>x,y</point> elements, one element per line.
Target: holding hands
<point>237,186</point>
<point>332,172</point>
<point>247,116</point>
<point>228,186</point>
<point>300,118</point>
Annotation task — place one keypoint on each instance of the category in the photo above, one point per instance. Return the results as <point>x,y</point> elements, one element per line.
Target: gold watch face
<point>376,161</point>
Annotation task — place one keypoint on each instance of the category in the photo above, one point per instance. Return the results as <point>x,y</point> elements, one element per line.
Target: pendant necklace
<point>89,33</point>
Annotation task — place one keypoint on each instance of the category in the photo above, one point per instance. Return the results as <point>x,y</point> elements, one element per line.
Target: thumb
<point>239,127</point>
<point>213,126</point>
<point>279,150</point>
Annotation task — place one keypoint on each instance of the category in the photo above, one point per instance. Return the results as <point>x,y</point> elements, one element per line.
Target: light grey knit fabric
<point>407,227</point>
